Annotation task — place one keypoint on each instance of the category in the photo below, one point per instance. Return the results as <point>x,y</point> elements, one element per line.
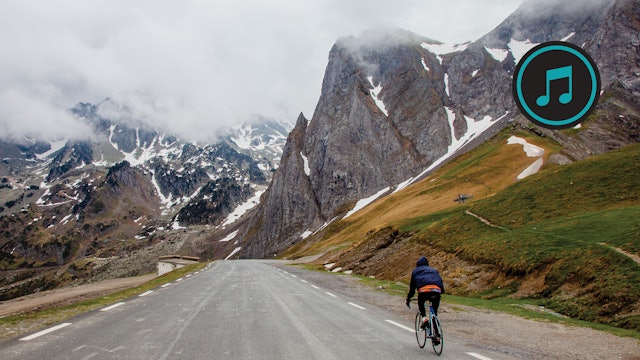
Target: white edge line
<point>112,306</point>
<point>478,356</point>
<point>165,285</point>
<point>145,293</point>
<point>44,332</point>
<point>180,279</point>
<point>400,325</point>
<point>330,294</point>
<point>356,306</point>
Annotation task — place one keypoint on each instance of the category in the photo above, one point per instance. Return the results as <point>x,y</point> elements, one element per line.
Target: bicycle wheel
<point>421,335</point>
<point>437,341</point>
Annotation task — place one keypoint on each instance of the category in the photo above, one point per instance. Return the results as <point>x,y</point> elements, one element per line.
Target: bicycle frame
<point>434,331</point>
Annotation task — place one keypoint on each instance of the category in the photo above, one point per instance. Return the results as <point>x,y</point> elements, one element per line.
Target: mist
<point>193,67</point>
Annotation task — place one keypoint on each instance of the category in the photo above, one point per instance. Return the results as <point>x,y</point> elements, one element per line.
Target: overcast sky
<point>194,66</point>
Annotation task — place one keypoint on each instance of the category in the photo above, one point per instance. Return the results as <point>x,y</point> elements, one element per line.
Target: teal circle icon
<point>556,85</point>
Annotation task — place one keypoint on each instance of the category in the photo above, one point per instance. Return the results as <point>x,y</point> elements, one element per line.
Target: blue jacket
<point>423,275</point>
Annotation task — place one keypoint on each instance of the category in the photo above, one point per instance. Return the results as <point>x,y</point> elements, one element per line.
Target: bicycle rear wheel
<point>421,334</point>
<point>437,341</point>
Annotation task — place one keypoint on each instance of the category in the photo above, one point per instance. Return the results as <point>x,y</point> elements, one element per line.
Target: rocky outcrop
<point>385,114</point>
<point>214,202</point>
<point>394,104</point>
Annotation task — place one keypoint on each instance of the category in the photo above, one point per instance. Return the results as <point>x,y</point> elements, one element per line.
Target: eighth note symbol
<point>556,74</point>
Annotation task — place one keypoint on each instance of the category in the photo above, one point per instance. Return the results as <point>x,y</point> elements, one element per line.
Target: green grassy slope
<point>565,237</point>
<point>564,224</point>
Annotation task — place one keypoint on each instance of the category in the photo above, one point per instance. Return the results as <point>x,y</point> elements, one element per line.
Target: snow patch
<point>424,64</point>
<point>532,169</point>
<point>519,48</point>
<point>55,146</point>
<point>474,129</point>
<point>529,149</point>
<point>243,208</point>
<point>229,237</point>
<point>498,54</point>
<point>442,49</point>
<point>446,84</point>
<point>233,252</point>
<point>568,37</point>
<point>474,73</point>
<point>307,169</point>
<point>374,95</point>
<point>306,234</point>
<point>324,225</point>
<point>176,224</point>
<point>364,202</point>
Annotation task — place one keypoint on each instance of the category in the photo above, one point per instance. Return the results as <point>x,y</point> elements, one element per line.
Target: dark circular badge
<point>556,85</point>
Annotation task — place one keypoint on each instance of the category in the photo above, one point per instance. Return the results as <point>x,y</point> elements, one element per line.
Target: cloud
<point>194,66</point>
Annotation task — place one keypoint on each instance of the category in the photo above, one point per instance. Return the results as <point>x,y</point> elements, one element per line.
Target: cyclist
<point>429,284</point>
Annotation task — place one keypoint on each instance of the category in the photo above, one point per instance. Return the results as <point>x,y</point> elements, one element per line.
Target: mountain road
<point>246,309</point>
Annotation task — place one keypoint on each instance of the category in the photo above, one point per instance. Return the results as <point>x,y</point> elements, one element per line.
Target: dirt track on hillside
<point>65,296</point>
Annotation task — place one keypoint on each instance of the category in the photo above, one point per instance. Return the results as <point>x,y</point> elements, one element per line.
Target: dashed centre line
<point>356,306</point>
<point>478,356</point>
<point>112,306</point>
<point>400,325</point>
<point>330,294</point>
<point>44,332</point>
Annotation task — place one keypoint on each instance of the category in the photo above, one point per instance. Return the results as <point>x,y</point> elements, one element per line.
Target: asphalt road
<point>241,309</point>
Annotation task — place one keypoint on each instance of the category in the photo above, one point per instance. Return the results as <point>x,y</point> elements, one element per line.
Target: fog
<point>193,67</point>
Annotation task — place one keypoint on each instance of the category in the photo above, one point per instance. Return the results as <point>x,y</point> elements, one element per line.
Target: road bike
<point>432,331</point>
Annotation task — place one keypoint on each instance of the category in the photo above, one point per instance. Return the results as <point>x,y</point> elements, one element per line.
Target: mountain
<point>70,208</point>
<point>395,105</point>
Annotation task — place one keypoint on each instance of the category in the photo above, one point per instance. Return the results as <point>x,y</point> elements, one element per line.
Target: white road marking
<point>293,276</point>
<point>165,285</point>
<point>478,356</point>
<point>400,325</point>
<point>356,306</point>
<point>112,306</point>
<point>330,294</point>
<point>44,332</point>
<point>145,293</point>
<point>315,287</point>
<point>180,279</point>
<point>304,281</point>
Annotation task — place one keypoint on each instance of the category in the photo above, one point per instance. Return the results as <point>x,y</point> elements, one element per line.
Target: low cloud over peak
<point>192,67</point>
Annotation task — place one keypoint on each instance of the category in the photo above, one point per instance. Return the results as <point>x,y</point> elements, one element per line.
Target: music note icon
<point>564,72</point>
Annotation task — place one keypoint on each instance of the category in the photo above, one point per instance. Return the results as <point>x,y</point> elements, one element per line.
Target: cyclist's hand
<point>408,302</point>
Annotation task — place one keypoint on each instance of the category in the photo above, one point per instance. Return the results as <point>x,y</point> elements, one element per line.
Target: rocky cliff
<point>394,105</point>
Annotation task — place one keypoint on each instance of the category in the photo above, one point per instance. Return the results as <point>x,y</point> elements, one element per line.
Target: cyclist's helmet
<point>423,261</point>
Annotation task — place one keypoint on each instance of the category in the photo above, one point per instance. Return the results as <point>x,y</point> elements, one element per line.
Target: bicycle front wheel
<point>437,341</point>
<point>421,334</point>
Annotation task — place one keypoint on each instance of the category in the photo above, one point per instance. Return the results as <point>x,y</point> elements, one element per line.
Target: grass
<point>526,308</point>
<point>562,223</point>
<point>22,323</point>
<point>471,173</point>
<point>560,227</point>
